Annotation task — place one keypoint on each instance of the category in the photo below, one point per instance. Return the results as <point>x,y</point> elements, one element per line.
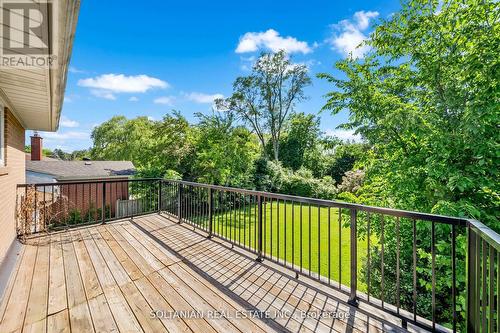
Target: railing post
<point>159,196</point>
<point>354,258</point>
<point>210,211</point>
<point>471,281</point>
<point>259,228</point>
<point>103,202</point>
<point>179,203</point>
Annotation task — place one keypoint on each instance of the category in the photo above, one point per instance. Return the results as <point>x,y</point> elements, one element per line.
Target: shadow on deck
<point>152,274</point>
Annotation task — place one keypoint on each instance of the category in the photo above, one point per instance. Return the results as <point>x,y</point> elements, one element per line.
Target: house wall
<point>85,197</point>
<point>11,174</point>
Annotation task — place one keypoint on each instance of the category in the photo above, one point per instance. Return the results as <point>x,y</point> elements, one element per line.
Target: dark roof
<point>62,170</point>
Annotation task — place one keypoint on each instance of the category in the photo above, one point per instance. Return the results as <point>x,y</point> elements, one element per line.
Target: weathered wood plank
<point>37,303</point>
<point>123,315</point>
<point>89,276</point>
<point>101,315</point>
<point>141,309</point>
<point>57,282</point>
<point>179,303</point>
<point>13,318</point>
<point>59,322</point>
<point>158,303</point>
<point>130,267</point>
<point>79,313</point>
<point>221,324</point>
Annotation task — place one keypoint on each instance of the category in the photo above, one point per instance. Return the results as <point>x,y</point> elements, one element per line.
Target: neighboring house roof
<point>70,170</point>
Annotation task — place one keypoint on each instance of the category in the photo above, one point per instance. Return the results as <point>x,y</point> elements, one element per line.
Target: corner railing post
<point>354,258</point>
<point>259,228</point>
<point>179,203</point>
<point>103,202</point>
<point>210,211</point>
<point>159,196</point>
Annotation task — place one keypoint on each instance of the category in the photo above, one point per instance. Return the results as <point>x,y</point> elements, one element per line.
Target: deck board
<point>113,277</point>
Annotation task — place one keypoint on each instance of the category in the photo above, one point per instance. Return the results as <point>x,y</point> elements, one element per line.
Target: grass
<point>288,229</point>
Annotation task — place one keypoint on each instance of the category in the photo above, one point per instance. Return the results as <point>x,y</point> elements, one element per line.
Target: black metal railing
<point>436,272</point>
<point>51,206</point>
<point>415,266</point>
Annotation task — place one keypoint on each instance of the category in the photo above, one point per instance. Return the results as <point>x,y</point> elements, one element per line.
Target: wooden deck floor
<point>112,278</point>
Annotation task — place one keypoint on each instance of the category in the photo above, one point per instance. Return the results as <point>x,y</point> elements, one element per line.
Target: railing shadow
<point>260,286</point>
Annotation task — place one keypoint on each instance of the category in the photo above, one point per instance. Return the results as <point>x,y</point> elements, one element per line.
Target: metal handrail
<point>218,209</point>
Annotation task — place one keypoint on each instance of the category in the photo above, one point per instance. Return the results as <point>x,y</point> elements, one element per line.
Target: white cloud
<point>345,135</point>
<point>75,70</point>
<point>271,39</point>
<point>106,85</point>
<point>202,98</point>
<point>165,100</point>
<point>66,122</point>
<point>133,99</point>
<point>352,34</point>
<point>79,135</point>
<point>103,94</point>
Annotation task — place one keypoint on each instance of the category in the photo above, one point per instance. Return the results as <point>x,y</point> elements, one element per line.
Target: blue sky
<point>146,58</point>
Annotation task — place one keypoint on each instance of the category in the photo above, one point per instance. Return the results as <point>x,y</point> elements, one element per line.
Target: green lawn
<point>281,226</point>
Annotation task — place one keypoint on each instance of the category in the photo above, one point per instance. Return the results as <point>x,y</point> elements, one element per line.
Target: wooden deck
<point>114,277</point>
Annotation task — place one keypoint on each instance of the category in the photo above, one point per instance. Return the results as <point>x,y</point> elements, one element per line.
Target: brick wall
<point>11,174</point>
<point>85,197</point>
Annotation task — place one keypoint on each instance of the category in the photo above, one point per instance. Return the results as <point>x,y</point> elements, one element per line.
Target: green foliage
<point>426,98</point>
<point>274,177</point>
<point>301,138</point>
<point>153,146</point>
<point>224,152</point>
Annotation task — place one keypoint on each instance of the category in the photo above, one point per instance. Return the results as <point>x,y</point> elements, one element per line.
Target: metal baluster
<point>491,297</point>
<point>278,228</point>
<point>398,296</point>
<point>340,248</point>
<point>414,270</point>
<point>210,211</point>
<point>259,221</point>
<point>329,247</point>
<point>301,237</point>
<point>319,242</point>
<point>293,234</point>
<point>354,258</point>
<point>284,226</point>
<point>309,221</point>
<point>484,295</point>
<point>271,227</point>
<point>433,250</point>
<point>454,276</point>
<point>382,281</point>
<point>368,232</point>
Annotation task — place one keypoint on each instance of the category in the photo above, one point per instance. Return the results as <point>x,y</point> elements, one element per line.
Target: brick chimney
<point>36,147</point>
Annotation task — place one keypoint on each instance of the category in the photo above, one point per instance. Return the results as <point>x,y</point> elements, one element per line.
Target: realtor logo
<point>28,33</point>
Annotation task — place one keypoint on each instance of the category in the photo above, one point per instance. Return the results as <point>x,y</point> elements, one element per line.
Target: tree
<point>224,153</point>
<point>426,97</point>
<point>265,98</point>
<point>302,135</point>
<point>153,146</point>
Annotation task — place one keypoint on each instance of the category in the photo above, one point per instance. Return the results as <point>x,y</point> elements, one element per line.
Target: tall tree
<point>265,98</point>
